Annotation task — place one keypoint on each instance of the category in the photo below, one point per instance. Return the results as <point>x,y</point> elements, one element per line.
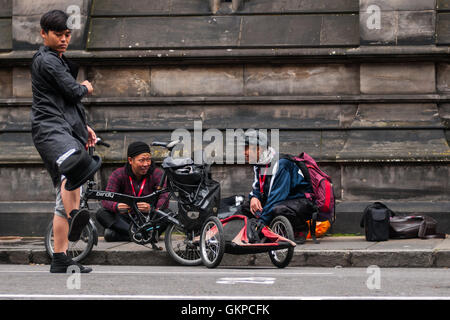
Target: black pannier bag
<point>198,195</point>
<point>375,221</point>
<point>405,227</point>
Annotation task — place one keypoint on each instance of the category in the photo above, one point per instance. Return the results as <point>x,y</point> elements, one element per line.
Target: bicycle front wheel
<point>212,242</point>
<point>281,226</point>
<point>182,246</point>
<point>78,250</point>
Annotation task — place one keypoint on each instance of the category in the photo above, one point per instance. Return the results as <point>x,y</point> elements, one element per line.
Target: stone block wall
<point>362,86</point>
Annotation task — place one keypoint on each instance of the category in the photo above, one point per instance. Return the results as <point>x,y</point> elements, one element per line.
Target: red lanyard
<point>140,190</point>
<point>261,182</point>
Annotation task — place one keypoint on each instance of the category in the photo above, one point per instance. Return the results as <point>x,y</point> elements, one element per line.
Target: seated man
<point>139,177</point>
<point>277,189</point>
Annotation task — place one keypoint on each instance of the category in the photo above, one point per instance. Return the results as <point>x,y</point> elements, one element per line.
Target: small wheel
<point>281,226</point>
<point>212,242</point>
<point>78,250</point>
<point>182,247</point>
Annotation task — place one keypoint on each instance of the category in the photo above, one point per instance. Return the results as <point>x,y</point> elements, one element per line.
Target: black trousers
<point>298,211</point>
<point>120,223</point>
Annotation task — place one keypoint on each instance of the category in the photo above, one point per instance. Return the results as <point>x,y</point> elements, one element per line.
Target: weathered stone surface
<point>290,6</point>
<point>442,258</point>
<point>399,5</point>
<point>443,28</point>
<point>444,113</point>
<point>27,15</point>
<point>402,78</point>
<point>5,83</point>
<point>389,181</point>
<point>223,31</point>
<point>212,116</point>
<point>386,259</point>
<point>281,30</point>
<point>17,148</point>
<point>442,4</point>
<point>21,78</point>
<point>120,81</point>
<point>5,34</point>
<point>149,7</point>
<point>401,22</point>
<point>416,27</point>
<point>164,32</point>
<point>443,77</point>
<point>386,34</point>
<point>15,118</point>
<point>5,8</point>
<point>197,80</point>
<point>395,145</point>
<point>397,115</point>
<point>301,79</point>
<point>15,179</point>
<point>340,30</point>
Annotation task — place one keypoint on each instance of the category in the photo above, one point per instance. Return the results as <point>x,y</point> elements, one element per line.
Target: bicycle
<point>181,242</point>
<point>80,249</point>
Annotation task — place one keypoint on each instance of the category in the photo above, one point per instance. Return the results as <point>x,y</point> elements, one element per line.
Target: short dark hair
<point>55,20</point>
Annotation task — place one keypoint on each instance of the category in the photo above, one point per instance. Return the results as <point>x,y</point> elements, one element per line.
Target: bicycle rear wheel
<point>78,250</point>
<point>182,246</point>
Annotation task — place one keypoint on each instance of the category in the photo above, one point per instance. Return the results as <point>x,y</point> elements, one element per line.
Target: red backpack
<point>323,194</point>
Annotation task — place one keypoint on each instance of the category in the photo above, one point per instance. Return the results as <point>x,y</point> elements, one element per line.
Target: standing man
<point>60,132</point>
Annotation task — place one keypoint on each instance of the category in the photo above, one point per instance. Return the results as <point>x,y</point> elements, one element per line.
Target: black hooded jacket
<point>58,118</point>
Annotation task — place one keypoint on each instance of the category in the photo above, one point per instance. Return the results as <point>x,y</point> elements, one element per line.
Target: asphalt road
<point>199,283</point>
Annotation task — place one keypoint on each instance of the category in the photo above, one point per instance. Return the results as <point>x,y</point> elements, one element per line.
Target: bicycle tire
<point>77,250</point>
<point>281,226</point>
<point>212,242</point>
<point>185,252</point>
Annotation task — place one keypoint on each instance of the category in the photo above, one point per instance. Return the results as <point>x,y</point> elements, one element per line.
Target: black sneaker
<point>60,263</point>
<point>77,221</point>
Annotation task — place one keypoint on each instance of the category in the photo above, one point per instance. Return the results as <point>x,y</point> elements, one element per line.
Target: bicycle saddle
<point>159,144</point>
<point>170,162</point>
<point>168,145</point>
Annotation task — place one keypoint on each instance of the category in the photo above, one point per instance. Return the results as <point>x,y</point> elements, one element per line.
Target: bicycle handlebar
<point>100,142</point>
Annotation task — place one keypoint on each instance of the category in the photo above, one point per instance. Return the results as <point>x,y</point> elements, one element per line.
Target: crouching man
<point>278,187</point>
<point>138,177</point>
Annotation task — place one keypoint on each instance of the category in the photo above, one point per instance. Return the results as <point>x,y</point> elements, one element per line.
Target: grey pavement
<point>351,251</point>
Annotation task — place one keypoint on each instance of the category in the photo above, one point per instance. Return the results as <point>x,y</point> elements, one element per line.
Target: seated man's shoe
<point>299,238</point>
<point>60,263</point>
<point>77,221</point>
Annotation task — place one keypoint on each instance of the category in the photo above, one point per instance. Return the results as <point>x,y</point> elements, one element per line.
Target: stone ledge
<point>182,56</point>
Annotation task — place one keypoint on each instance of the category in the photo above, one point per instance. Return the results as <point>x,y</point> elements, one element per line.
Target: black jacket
<point>58,119</point>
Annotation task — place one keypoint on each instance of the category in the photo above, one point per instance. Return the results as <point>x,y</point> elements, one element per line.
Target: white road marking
<point>252,280</point>
<point>181,297</point>
<point>188,272</point>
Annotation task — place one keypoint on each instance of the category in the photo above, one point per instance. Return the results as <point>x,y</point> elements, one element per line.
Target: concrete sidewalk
<point>330,252</point>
